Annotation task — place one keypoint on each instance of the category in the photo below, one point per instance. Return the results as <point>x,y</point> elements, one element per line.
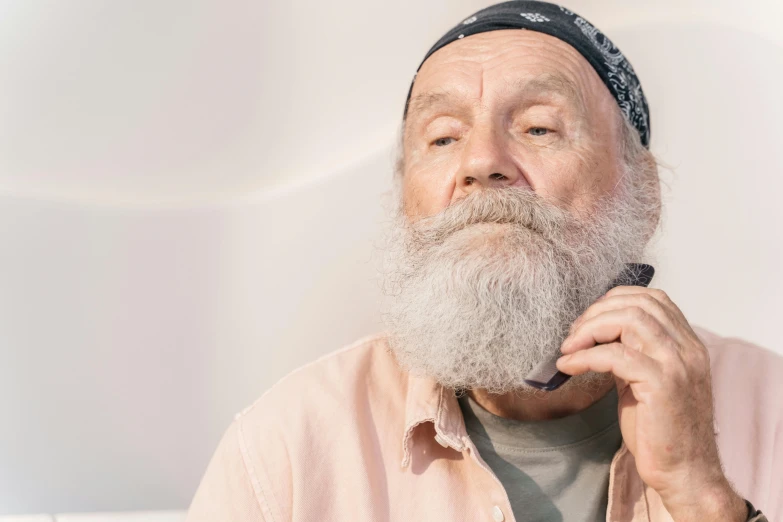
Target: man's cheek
<point>419,199</point>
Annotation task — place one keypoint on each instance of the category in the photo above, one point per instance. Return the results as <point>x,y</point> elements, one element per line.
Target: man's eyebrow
<point>552,83</point>
<point>427,100</point>
<point>525,88</point>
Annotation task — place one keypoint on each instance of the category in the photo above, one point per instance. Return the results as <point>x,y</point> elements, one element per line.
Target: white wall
<point>130,337</point>
<point>712,73</point>
<point>189,194</point>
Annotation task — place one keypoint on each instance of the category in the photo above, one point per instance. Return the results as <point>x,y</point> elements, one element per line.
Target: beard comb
<point>546,376</point>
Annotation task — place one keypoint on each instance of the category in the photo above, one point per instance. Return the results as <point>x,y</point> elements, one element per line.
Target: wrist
<point>718,503</point>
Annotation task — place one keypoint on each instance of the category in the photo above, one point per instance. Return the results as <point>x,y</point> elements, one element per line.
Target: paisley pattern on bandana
<point>625,83</point>
<point>535,17</point>
<point>611,65</point>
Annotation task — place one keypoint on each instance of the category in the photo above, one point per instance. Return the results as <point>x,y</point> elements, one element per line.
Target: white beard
<point>485,290</point>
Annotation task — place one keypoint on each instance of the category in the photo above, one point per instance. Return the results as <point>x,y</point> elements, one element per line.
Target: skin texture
<point>480,117</point>
<point>573,162</point>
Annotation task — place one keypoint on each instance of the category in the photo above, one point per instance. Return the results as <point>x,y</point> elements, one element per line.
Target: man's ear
<point>649,192</point>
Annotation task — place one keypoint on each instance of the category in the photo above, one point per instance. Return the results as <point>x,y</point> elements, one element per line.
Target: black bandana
<point>610,64</point>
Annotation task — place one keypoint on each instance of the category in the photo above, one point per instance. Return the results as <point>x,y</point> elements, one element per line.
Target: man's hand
<point>665,397</point>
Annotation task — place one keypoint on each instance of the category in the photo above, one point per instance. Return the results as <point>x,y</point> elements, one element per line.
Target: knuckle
<point>636,313</point>
<point>660,295</point>
<point>670,352</point>
<point>699,358</point>
<point>629,354</point>
<point>651,302</point>
<point>647,298</point>
<point>671,346</point>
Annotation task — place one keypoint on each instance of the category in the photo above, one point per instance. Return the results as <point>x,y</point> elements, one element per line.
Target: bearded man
<point>524,190</point>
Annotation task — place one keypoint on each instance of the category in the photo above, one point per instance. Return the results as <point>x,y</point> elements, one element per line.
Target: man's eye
<point>440,142</point>
<point>538,131</point>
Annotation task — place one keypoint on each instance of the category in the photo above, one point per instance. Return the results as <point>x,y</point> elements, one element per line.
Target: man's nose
<point>486,162</point>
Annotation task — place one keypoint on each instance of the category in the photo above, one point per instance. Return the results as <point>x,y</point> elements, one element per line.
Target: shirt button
<point>497,514</point>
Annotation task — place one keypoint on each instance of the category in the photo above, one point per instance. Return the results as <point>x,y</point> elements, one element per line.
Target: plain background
<point>190,199</point>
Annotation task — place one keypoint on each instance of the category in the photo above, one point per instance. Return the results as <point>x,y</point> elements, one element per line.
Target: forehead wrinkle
<point>525,87</point>
<point>555,84</point>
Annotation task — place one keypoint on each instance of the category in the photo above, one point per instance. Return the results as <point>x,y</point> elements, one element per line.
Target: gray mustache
<point>508,205</point>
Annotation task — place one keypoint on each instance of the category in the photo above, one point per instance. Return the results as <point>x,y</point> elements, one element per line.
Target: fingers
<point>654,297</point>
<point>652,301</point>
<point>636,320</point>
<point>626,363</point>
<point>632,326</point>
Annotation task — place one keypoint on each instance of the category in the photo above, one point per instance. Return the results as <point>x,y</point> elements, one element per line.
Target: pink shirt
<point>353,437</point>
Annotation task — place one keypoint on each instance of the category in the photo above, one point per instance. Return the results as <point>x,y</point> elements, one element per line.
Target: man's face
<point>512,215</point>
<point>508,108</point>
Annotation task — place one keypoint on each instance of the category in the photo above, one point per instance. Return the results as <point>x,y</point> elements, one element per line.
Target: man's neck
<point>541,406</point>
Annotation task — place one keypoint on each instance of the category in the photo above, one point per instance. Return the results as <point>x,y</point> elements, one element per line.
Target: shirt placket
<point>450,433</point>
<point>500,511</point>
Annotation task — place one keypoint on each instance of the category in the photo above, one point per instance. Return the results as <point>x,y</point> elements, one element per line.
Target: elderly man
<point>525,191</point>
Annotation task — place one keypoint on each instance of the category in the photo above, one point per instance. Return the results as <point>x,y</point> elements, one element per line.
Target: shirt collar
<point>428,401</point>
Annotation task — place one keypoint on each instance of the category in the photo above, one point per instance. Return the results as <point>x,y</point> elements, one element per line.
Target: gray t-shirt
<point>555,470</point>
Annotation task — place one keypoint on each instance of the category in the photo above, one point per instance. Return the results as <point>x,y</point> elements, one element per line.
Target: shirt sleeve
<point>226,491</point>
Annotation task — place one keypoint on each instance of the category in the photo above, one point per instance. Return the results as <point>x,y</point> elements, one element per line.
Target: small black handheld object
<point>546,376</point>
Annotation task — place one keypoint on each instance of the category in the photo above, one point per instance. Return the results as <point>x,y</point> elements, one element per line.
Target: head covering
<point>607,60</point>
